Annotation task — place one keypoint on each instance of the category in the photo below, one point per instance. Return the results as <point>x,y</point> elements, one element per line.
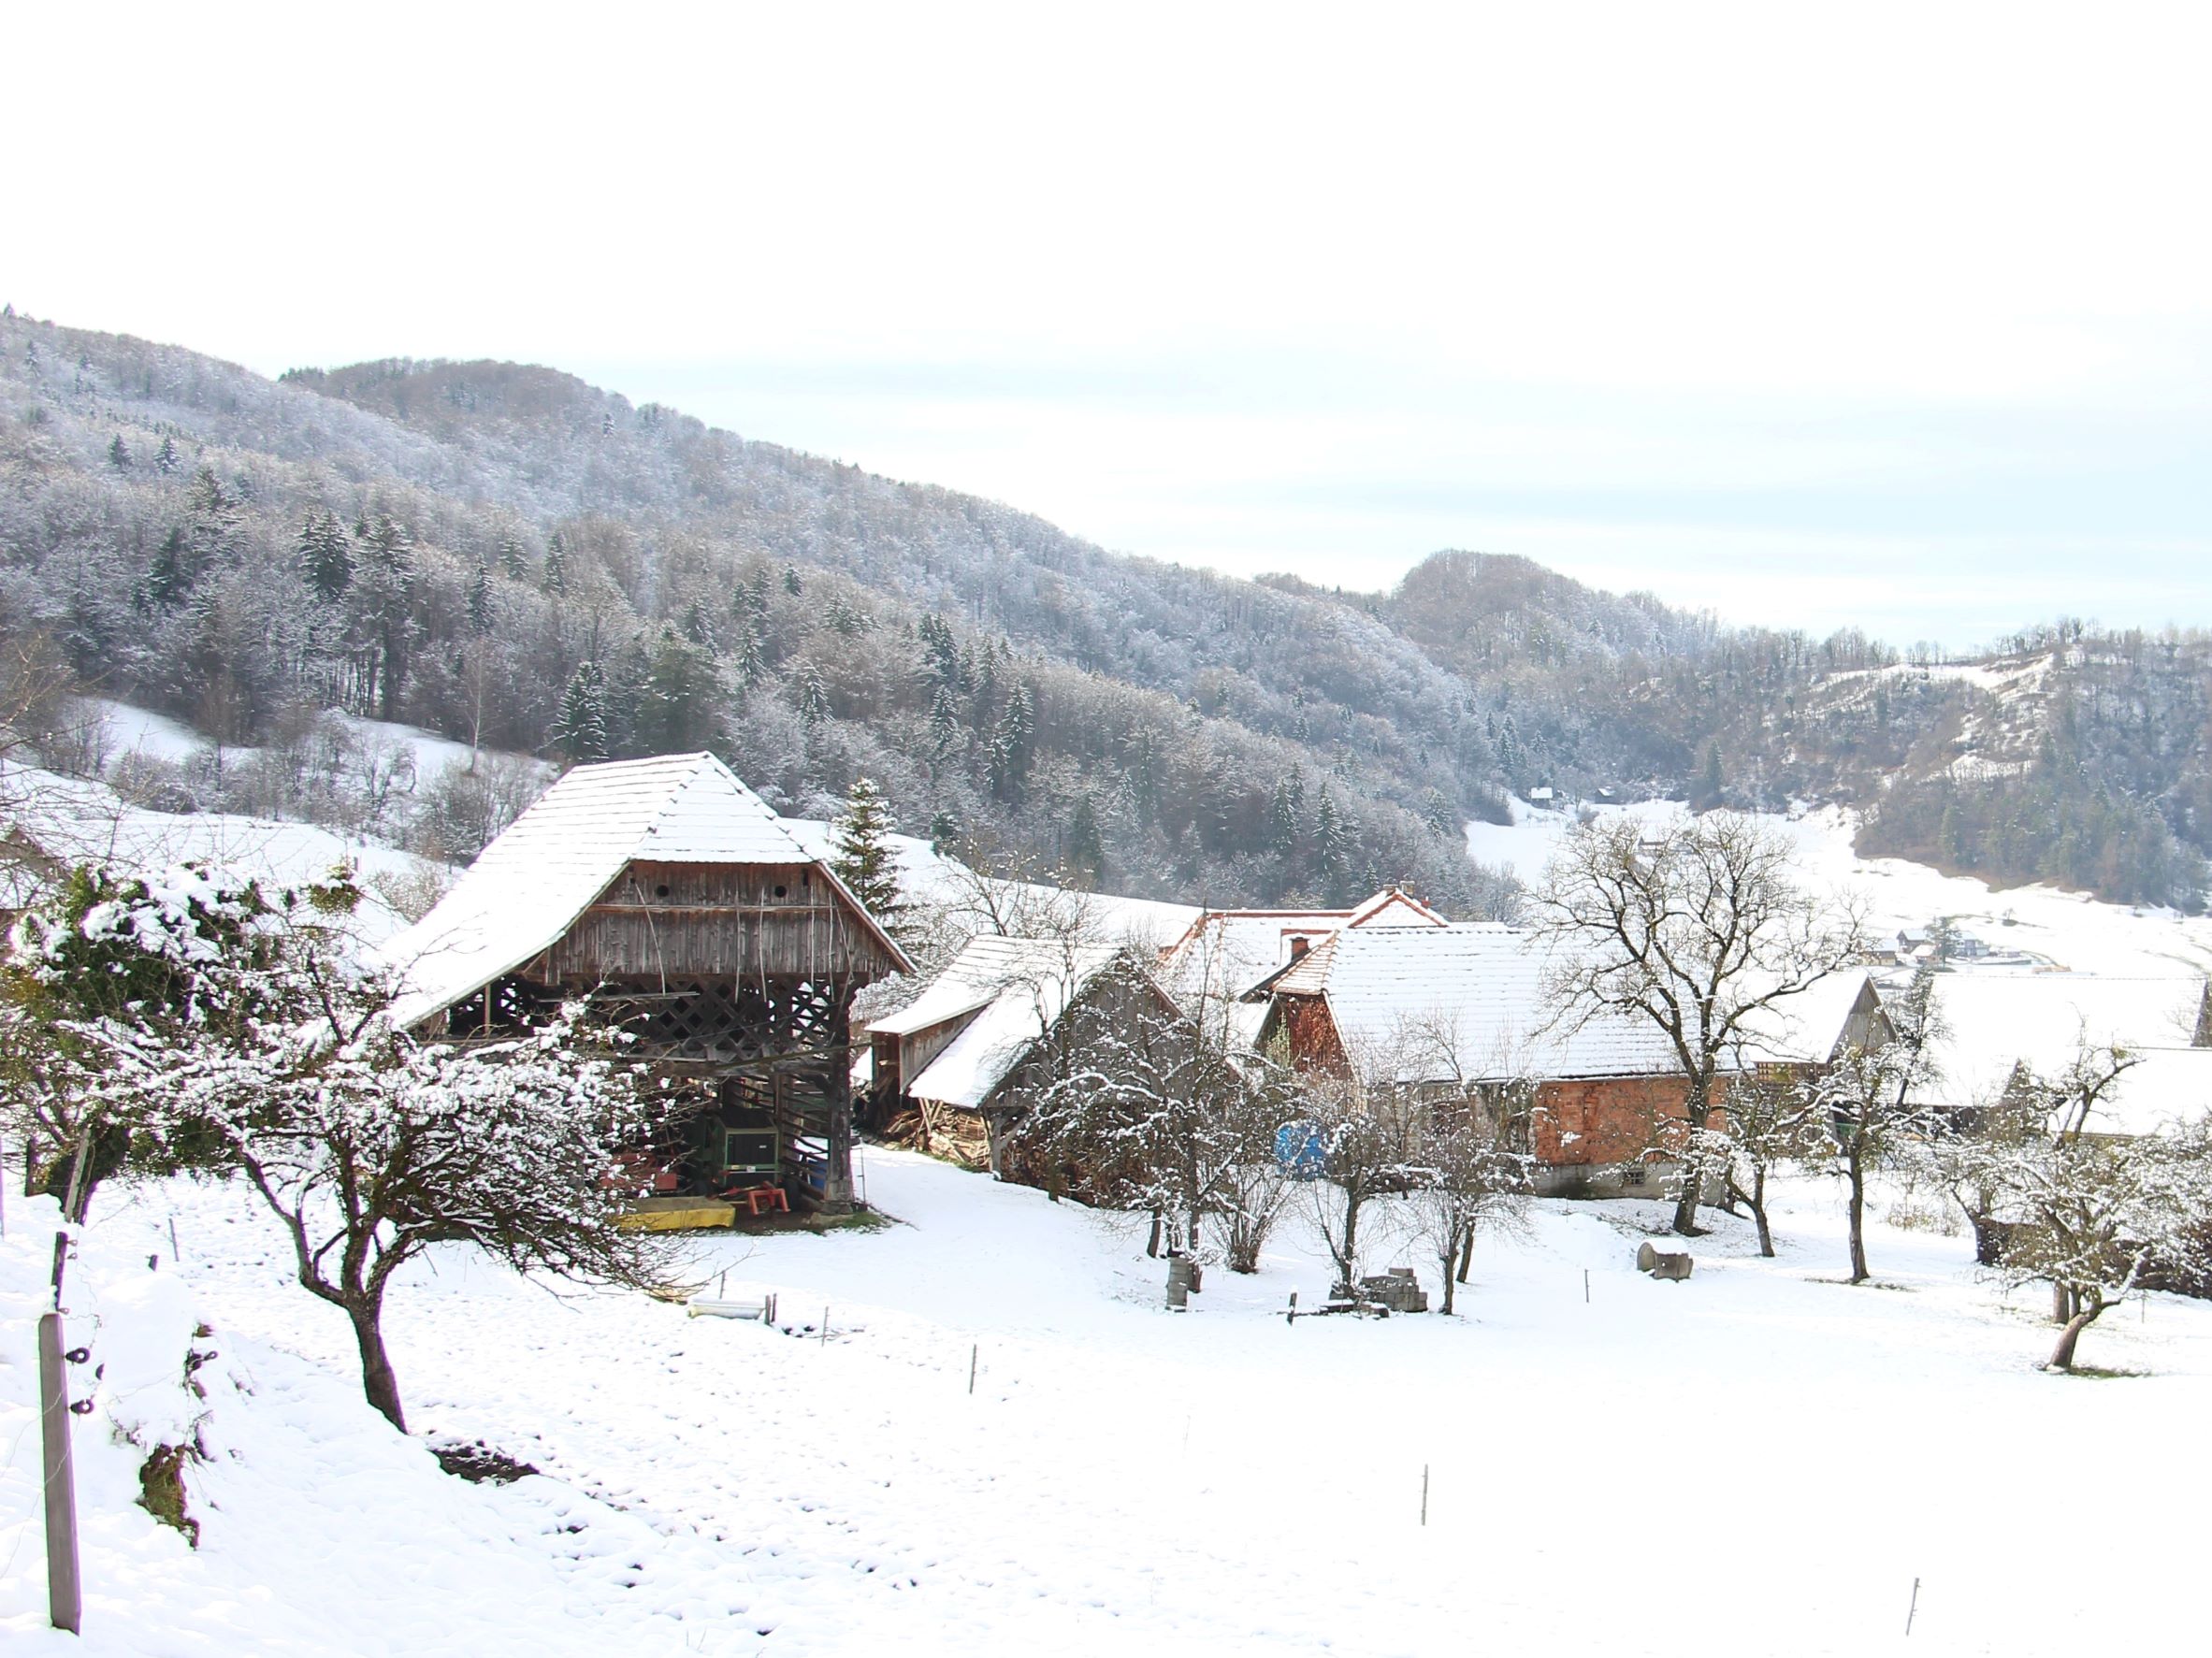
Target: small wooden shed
<point>673,898</point>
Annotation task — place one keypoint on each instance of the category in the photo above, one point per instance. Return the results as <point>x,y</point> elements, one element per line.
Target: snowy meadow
<point>1761,1459</point>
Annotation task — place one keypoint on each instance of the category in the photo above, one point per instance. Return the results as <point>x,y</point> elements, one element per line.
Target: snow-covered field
<point>1761,1460</point>
<point>2066,930</point>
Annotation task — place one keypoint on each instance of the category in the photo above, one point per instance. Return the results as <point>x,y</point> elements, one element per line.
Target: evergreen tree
<point>813,695</point>
<point>1010,751</point>
<point>1086,846</point>
<point>166,459</point>
<point>1332,838</point>
<point>791,583</point>
<point>511,563</point>
<point>480,600</point>
<point>555,574</point>
<point>861,853</point>
<point>676,711</point>
<point>169,579</point>
<point>945,727</point>
<point>580,727</point>
<point>119,453</point>
<point>944,832</point>
<point>325,558</point>
<point>382,604</point>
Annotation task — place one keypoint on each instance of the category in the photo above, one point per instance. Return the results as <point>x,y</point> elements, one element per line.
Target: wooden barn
<point>672,897</point>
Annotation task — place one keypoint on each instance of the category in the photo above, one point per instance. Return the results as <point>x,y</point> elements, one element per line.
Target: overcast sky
<point>1900,318</point>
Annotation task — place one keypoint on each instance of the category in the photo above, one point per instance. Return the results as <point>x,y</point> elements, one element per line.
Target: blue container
<point>1301,1151</point>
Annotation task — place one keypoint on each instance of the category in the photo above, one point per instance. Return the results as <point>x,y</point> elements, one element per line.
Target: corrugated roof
<point>1467,1003</point>
<point>1027,983</point>
<point>529,887</point>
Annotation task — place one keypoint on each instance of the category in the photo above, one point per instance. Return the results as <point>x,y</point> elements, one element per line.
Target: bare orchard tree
<point>1695,925</point>
<point>1869,1104</point>
<point>1362,1135</point>
<point>2093,1212</point>
<point>1466,1175</point>
<point>1769,1123</point>
<point>1130,1104</point>
<point>371,1144</point>
<point>1466,1163</point>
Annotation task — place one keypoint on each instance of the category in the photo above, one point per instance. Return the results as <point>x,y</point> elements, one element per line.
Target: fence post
<point>64,1595</point>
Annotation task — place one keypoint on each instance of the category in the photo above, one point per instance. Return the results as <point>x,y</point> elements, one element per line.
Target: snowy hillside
<point>1760,1460</point>
<point>2055,928</point>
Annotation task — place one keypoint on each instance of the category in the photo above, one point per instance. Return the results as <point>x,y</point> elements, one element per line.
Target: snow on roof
<point>2165,1088</point>
<point>1466,1001</point>
<point>529,887</point>
<point>1019,988</point>
<point>1805,1029</point>
<point>1989,1023</point>
<point>1228,952</point>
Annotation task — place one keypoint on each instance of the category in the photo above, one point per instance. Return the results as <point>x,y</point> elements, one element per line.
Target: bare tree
<point>1363,1140</point>
<point>1694,926</point>
<point>1868,1103</point>
<point>1770,1123</point>
<point>2092,1212</point>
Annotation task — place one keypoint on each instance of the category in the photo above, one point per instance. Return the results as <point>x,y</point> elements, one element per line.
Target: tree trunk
<point>1856,1173</point>
<point>1756,1200</point>
<point>2064,1303</point>
<point>1448,1255</point>
<point>1466,1256</point>
<point>1152,1243</point>
<point>2063,1355</point>
<point>378,1380</point>
<point>1696,1108</point>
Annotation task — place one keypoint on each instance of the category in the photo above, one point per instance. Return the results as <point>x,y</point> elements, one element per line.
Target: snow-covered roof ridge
<point>530,886</point>
<point>1989,1023</point>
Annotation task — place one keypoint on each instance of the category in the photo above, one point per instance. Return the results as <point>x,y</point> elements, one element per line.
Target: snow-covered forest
<point>513,559</point>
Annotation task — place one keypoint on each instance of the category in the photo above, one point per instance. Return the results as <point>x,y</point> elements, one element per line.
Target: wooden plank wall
<point>729,921</point>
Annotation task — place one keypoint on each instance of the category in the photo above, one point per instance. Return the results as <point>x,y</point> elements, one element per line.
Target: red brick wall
<point>1610,1120</point>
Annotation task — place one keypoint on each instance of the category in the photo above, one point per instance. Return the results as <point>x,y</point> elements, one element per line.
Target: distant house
<point>982,1031</point>
<point>1462,1011</point>
<point>1542,795</point>
<point>670,898</point>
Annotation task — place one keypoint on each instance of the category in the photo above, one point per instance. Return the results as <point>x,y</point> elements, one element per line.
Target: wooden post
<point>1424,1493</point>
<point>65,1598</point>
<point>973,1350</point>
<point>1913,1608</point>
<point>1585,1286</point>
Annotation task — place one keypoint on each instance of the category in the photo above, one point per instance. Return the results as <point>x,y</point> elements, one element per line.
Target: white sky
<point>1896,316</point>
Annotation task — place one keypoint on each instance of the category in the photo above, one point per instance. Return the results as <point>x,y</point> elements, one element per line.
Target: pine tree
<point>944,832</point>
<point>325,558</point>
<point>813,695</point>
<point>555,575</point>
<point>511,563</point>
<point>945,727</point>
<point>1332,838</point>
<point>119,453</point>
<point>791,583</point>
<point>480,600</point>
<point>580,727</point>
<point>676,709</point>
<point>1010,745</point>
<point>1283,810</point>
<point>1086,846</point>
<point>861,853</point>
<point>166,459</point>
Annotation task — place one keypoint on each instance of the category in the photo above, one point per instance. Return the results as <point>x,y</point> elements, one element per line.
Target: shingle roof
<point>1466,1001</point>
<point>529,887</point>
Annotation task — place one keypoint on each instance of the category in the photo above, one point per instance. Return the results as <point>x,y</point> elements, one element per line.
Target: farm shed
<point>671,897</point>
<point>985,1025</point>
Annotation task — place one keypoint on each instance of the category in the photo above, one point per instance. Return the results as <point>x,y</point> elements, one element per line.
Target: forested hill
<point>504,553</point>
